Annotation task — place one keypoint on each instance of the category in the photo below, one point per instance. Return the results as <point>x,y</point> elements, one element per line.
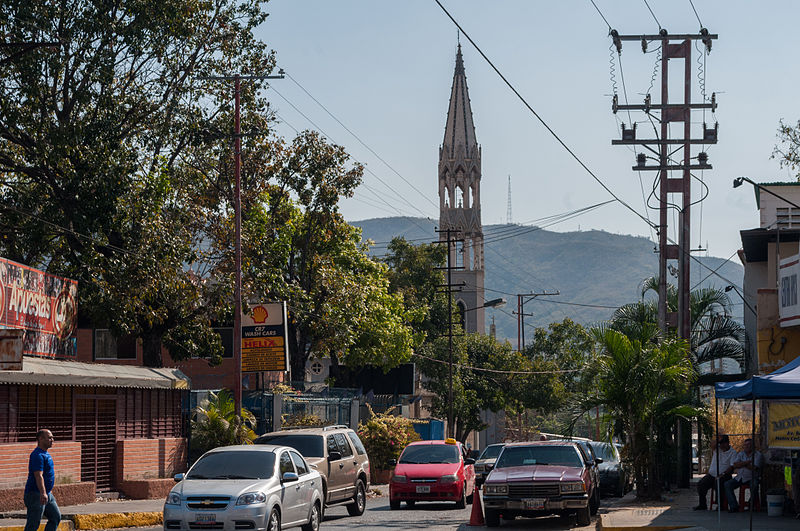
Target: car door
<point>292,498</point>
<point>349,463</point>
<point>306,481</point>
<point>336,480</point>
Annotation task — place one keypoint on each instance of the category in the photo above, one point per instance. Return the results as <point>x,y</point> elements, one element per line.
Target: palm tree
<point>715,335</point>
<point>215,423</point>
<point>641,383</point>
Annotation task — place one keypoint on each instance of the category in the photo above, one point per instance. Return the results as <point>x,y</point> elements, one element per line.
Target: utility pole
<point>449,289</point>
<point>677,46</point>
<point>237,208</point>
<point>523,298</point>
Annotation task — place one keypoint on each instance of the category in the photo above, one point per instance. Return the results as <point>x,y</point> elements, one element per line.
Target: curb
<point>603,527</point>
<point>86,522</point>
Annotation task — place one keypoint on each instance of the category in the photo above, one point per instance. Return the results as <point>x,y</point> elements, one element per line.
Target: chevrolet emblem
<point>206,503</point>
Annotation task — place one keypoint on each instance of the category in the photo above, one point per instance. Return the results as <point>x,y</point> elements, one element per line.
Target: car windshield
<point>605,452</point>
<point>491,452</point>
<point>430,453</point>
<point>307,445</point>
<point>233,465</point>
<point>539,455</point>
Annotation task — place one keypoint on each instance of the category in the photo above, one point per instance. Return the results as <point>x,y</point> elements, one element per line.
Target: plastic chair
<point>743,503</point>
<point>714,499</point>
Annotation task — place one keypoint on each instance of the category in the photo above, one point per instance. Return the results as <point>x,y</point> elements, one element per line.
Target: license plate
<point>423,489</point>
<point>534,503</point>
<point>205,518</point>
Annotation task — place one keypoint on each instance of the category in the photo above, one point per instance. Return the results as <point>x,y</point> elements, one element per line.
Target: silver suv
<point>338,455</point>
<point>261,488</point>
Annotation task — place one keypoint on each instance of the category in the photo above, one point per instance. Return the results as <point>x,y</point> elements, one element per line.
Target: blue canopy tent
<point>783,383</point>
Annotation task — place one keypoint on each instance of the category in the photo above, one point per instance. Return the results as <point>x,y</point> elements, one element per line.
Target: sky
<point>384,69</point>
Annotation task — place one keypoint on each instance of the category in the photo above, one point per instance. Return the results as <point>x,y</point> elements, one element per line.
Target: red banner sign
<point>43,305</point>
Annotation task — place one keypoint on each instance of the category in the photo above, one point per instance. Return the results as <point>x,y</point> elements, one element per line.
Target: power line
<point>362,142</point>
<point>601,14</point>
<point>651,12</point>
<point>695,13</point>
<point>541,120</point>
<point>497,371</point>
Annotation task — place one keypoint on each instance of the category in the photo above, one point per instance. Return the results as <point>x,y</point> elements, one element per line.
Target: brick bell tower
<point>460,201</point>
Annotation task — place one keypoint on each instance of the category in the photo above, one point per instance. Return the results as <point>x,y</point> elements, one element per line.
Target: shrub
<point>384,436</point>
<point>301,419</point>
<point>215,423</point>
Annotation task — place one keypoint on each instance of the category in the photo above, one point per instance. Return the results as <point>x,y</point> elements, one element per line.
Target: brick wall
<point>14,463</point>
<point>139,459</point>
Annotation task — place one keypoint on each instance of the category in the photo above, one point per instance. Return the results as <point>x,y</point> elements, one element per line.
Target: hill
<point>594,271</point>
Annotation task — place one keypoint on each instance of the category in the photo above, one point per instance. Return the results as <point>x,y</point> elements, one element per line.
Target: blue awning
<point>783,383</point>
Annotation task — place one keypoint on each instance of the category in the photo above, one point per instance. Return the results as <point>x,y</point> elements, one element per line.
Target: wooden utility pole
<point>523,298</point>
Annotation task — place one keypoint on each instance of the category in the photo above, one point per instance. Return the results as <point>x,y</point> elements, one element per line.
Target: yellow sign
<point>264,346</point>
<point>783,428</point>
<point>263,354</point>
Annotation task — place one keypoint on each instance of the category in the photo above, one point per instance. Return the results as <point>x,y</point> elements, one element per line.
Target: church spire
<point>459,133</point>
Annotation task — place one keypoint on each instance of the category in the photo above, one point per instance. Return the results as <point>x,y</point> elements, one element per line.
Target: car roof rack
<point>324,428</point>
<point>336,427</point>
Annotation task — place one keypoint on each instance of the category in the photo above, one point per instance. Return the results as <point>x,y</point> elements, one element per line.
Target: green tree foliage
<point>384,436</point>
<point>93,137</point>
<point>641,383</point>
<point>215,423</point>
<point>487,375</point>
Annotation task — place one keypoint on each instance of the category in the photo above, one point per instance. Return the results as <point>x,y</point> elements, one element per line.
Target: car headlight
<point>398,479</point>
<point>173,498</point>
<point>573,487</point>
<point>449,478</point>
<point>249,498</point>
<point>495,489</point>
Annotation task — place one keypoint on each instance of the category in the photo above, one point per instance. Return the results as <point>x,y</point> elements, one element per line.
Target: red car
<point>432,471</point>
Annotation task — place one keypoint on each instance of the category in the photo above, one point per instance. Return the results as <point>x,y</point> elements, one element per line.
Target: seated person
<point>719,472</point>
<point>748,465</point>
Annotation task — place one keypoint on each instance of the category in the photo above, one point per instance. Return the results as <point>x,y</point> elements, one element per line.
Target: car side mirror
<point>392,462</point>
<point>489,466</point>
<point>334,456</point>
<point>178,478</point>
<point>288,477</point>
<point>598,460</point>
<point>469,461</point>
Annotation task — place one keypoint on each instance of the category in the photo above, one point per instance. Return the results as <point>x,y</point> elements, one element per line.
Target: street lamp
<point>494,303</point>
<point>737,182</point>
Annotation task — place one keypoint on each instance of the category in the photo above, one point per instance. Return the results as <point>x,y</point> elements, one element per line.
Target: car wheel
<point>274,522</point>
<point>394,504</point>
<point>359,501</point>
<point>594,503</point>
<point>492,517</point>
<point>410,503</point>
<point>509,517</point>
<point>462,503</point>
<point>583,516</point>
<point>314,519</point>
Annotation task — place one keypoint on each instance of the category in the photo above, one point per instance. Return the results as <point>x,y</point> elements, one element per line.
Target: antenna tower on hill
<point>509,219</point>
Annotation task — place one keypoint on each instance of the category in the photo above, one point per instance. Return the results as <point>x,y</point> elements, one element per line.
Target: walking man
<point>748,471</point>
<point>719,472</point>
<point>39,497</point>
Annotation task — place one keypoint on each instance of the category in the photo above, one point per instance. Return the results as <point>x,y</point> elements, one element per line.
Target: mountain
<point>594,271</point>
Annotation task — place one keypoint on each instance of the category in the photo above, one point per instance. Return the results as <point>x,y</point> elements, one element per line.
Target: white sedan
<point>247,487</point>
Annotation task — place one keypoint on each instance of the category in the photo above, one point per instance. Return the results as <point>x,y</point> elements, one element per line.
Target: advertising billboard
<point>783,427</point>
<point>41,304</point>
<point>264,332</point>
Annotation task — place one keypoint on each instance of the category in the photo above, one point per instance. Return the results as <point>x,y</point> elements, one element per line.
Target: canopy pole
<point>753,468</point>
<point>716,449</point>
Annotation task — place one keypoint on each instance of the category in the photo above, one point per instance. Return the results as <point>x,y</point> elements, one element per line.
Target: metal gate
<point>96,430</point>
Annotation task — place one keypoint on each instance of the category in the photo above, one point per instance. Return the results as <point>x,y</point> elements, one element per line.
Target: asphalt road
<point>435,516</point>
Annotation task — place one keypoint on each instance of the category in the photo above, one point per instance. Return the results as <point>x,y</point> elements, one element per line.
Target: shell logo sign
<point>264,332</point>
<point>41,304</point>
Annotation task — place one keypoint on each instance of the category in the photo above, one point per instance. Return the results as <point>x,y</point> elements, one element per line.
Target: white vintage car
<point>248,487</point>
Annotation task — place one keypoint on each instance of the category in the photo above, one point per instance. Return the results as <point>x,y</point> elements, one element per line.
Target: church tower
<point>460,201</point>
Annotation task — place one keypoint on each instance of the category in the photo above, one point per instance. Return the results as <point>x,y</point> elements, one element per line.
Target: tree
<point>487,375</point>
<point>640,383</point>
<point>215,423</point>
<point>111,113</point>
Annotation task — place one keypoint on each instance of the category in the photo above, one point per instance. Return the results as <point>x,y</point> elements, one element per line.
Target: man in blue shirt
<point>39,497</point>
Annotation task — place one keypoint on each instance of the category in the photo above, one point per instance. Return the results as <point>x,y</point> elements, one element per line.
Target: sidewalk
<point>98,515</point>
<point>675,512</point>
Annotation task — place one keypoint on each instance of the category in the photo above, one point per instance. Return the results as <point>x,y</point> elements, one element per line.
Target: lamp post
<point>494,303</point>
<point>737,182</point>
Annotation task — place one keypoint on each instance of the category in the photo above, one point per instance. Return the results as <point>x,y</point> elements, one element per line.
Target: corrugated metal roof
<point>41,371</point>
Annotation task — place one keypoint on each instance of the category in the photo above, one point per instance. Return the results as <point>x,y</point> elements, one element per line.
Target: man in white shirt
<point>719,472</point>
<point>748,471</point>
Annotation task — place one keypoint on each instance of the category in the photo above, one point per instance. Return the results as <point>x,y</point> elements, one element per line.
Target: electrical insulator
<point>615,104</point>
<point>617,42</point>
<point>702,158</point>
<point>644,45</point>
<point>641,160</point>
